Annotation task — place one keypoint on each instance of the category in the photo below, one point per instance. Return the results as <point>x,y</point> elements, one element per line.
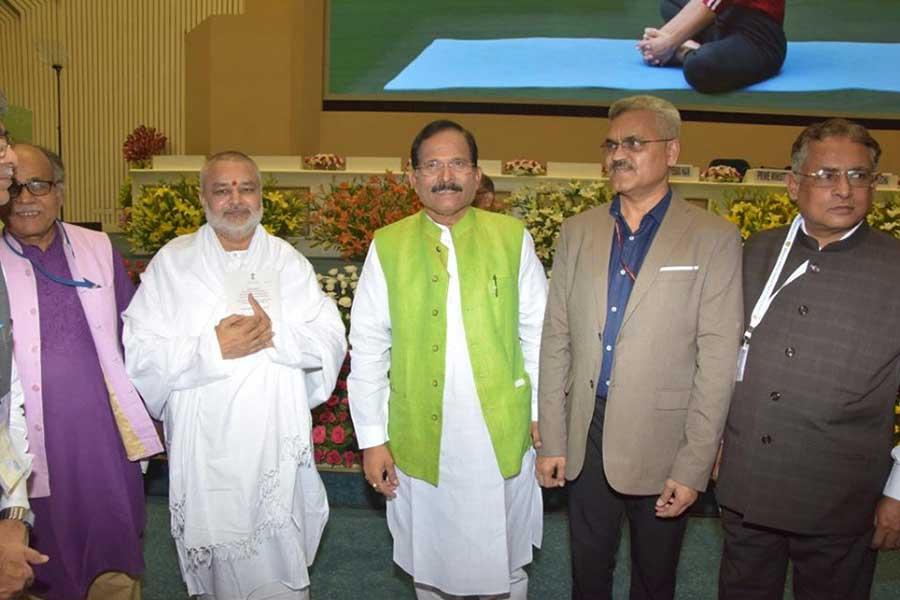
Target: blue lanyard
<point>84,283</point>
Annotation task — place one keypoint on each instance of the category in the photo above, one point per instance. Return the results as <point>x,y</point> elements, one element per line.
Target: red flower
<point>326,417</point>
<point>342,384</point>
<point>338,435</point>
<point>318,434</point>
<point>342,416</point>
<point>333,457</point>
<point>345,401</point>
<point>320,456</point>
<point>349,458</point>
<point>332,400</point>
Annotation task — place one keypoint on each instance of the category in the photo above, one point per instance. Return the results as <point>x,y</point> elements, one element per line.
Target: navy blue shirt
<point>629,248</point>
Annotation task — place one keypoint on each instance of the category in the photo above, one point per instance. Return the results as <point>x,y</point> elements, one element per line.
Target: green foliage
<point>545,207</point>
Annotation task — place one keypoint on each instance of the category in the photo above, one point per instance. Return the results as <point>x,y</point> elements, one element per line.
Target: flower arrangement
<point>345,216</point>
<point>325,162</point>
<point>545,207</point>
<point>167,210</point>
<point>885,215</point>
<point>134,269</point>
<point>523,166</point>
<point>340,285</point>
<point>756,210</point>
<point>141,145</point>
<point>162,213</point>
<point>721,174</point>
<point>332,434</point>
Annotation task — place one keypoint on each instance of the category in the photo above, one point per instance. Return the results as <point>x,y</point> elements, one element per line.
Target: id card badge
<point>12,465</point>
<point>742,361</point>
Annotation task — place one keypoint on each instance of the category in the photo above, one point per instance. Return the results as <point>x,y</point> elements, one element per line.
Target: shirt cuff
<point>369,436</point>
<point>892,487</point>
<point>18,497</point>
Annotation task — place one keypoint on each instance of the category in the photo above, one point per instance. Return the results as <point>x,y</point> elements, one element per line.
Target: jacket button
<point>775,396</point>
<point>766,439</point>
<point>434,417</point>
<point>802,309</point>
<point>435,348</point>
<point>35,387</point>
<point>434,312</point>
<point>434,278</point>
<point>434,383</point>
<point>437,249</point>
<point>814,268</point>
<point>790,352</point>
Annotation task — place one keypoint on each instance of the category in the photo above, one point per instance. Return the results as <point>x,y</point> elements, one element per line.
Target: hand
<point>657,47</point>
<point>675,499</point>
<point>241,335</point>
<point>887,524</point>
<point>551,471</point>
<point>16,559</point>
<point>378,466</point>
<point>535,435</point>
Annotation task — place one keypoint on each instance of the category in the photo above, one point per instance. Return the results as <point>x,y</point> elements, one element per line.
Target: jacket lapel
<point>599,239</point>
<point>673,227</point>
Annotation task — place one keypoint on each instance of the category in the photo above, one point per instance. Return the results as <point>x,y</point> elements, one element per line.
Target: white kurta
<point>468,534</point>
<point>248,507</point>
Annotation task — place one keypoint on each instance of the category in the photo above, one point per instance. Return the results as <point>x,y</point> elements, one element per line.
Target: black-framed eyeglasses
<point>36,187</point>
<point>433,168</point>
<point>826,178</point>
<point>629,144</point>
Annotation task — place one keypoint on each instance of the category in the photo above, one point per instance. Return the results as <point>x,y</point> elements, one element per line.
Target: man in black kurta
<point>807,472</point>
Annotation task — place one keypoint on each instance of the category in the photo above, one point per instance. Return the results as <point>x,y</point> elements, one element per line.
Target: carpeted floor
<point>354,561</point>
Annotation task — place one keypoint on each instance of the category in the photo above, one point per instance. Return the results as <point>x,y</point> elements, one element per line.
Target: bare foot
<point>685,49</point>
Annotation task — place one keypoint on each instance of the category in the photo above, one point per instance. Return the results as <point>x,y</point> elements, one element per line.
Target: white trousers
<point>518,590</point>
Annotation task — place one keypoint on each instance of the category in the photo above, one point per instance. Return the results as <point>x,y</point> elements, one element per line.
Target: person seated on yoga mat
<point>723,45</point>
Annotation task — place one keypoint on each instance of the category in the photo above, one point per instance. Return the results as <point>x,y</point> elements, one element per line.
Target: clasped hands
<point>243,335</point>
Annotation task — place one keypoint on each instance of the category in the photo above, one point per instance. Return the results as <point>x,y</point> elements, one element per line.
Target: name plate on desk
<point>684,172</point>
<point>765,175</point>
<point>888,180</point>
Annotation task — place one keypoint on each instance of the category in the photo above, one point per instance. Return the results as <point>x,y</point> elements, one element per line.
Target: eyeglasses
<point>5,143</point>
<point>37,187</point>
<point>629,144</point>
<point>826,178</point>
<point>433,168</point>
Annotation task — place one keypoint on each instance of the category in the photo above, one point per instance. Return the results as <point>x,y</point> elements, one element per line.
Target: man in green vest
<point>445,337</point>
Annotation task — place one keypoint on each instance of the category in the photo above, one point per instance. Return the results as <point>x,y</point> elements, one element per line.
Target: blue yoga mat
<point>607,63</point>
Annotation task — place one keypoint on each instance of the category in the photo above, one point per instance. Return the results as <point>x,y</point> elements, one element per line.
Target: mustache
<point>446,185</point>
<point>620,163</point>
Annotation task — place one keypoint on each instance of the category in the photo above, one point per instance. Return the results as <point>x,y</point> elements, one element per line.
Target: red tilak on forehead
<point>233,183</point>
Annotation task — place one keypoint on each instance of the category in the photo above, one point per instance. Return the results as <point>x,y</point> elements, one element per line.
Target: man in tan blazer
<point>638,358</point>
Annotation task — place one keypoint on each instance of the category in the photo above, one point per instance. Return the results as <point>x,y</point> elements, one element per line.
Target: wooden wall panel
<point>123,66</point>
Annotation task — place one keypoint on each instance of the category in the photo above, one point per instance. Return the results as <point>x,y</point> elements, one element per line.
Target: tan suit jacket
<point>675,356</point>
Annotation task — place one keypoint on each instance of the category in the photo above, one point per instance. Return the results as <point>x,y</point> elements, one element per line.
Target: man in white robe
<point>230,341</point>
<point>450,302</point>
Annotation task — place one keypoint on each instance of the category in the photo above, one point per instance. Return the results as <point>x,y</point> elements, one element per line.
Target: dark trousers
<point>744,46</point>
<point>826,567</point>
<point>596,513</point>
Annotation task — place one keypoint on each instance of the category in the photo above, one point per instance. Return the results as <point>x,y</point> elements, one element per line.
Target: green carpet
<point>370,42</point>
<point>354,561</point>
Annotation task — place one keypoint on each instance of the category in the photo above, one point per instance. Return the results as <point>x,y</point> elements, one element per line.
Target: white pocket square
<point>680,268</point>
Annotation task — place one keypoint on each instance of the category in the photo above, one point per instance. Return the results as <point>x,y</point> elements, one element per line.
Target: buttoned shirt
<point>626,254</point>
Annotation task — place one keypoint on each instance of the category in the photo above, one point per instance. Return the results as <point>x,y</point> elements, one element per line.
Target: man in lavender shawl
<point>87,427</point>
